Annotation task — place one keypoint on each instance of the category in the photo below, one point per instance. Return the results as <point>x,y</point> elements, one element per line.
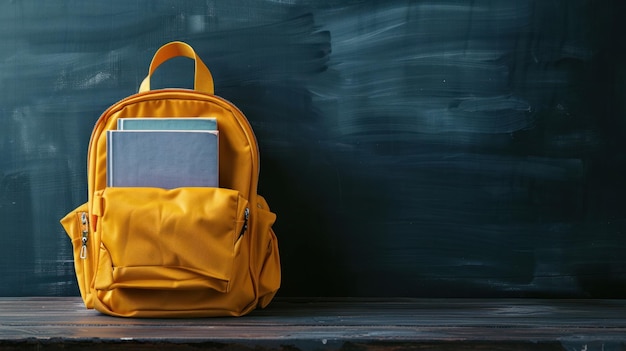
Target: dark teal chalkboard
<point>410,148</point>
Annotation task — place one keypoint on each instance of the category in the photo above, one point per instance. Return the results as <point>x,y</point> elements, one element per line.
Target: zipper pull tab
<point>84,224</point>
<point>246,215</point>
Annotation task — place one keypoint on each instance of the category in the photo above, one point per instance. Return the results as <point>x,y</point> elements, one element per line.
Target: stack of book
<point>163,152</point>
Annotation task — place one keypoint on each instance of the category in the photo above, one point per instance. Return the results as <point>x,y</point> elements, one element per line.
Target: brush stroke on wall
<point>409,148</point>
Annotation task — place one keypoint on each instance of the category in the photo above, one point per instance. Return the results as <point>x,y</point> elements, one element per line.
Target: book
<point>163,159</point>
<point>195,123</point>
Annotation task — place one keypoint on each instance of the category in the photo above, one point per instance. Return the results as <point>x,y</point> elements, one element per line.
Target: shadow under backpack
<point>181,252</point>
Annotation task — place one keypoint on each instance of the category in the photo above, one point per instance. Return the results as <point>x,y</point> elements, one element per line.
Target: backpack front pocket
<point>184,238</point>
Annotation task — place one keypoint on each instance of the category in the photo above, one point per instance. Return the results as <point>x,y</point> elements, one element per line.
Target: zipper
<point>245,124</point>
<point>84,226</point>
<point>246,215</point>
<point>140,96</point>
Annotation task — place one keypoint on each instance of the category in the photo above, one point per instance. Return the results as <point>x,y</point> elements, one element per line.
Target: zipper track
<point>242,120</point>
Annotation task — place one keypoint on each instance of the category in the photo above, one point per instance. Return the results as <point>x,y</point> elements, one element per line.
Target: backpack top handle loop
<point>203,80</point>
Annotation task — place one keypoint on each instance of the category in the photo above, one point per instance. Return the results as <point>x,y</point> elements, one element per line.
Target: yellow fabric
<point>150,252</point>
<point>203,81</point>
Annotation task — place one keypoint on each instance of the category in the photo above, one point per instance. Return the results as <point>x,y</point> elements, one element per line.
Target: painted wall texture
<point>410,148</point>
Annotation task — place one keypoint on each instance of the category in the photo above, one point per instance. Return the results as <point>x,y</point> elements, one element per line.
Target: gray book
<point>163,159</point>
<point>182,123</point>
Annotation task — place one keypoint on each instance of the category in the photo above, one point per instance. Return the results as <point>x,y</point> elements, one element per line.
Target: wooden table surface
<point>348,324</point>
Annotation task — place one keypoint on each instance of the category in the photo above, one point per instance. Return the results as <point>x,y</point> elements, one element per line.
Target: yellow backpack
<point>183,252</point>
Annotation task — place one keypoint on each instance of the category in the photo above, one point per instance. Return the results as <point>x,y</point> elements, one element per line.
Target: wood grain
<point>397,324</point>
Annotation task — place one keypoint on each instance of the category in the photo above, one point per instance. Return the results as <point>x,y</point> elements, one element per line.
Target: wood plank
<point>332,324</point>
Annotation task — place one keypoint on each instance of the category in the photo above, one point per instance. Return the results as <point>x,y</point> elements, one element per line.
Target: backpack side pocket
<point>76,225</point>
<point>267,257</point>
